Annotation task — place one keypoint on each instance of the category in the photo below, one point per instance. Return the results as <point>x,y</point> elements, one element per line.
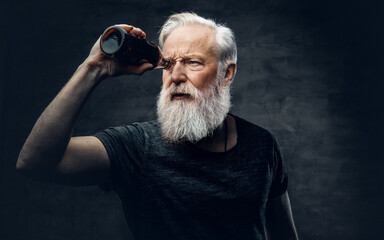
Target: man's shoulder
<point>146,128</point>
<point>250,126</point>
<point>147,125</point>
<point>132,129</point>
<point>247,129</point>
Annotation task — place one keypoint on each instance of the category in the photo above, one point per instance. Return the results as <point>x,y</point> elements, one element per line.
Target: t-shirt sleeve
<point>280,178</point>
<point>125,147</point>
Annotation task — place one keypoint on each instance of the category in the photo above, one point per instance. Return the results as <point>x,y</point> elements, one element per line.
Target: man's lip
<point>176,96</point>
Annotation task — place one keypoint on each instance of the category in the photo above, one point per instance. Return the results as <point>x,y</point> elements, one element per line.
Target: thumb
<point>139,69</point>
<point>146,66</point>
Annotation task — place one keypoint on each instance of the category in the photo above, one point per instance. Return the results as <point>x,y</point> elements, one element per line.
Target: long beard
<point>194,118</point>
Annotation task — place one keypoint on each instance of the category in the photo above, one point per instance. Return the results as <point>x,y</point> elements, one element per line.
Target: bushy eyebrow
<point>186,56</point>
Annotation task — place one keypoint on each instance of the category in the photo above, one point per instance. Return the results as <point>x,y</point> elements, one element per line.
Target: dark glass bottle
<point>121,45</point>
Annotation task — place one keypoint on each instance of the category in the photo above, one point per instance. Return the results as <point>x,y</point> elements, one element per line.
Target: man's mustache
<point>182,89</point>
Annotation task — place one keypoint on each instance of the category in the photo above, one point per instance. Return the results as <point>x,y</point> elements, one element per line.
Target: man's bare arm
<point>50,153</point>
<point>280,223</point>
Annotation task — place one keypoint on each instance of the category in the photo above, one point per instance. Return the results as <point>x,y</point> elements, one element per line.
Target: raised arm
<point>50,152</point>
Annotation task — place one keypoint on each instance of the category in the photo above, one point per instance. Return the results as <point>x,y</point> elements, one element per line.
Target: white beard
<point>194,118</point>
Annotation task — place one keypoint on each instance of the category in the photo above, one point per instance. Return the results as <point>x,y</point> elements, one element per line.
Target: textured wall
<point>308,72</point>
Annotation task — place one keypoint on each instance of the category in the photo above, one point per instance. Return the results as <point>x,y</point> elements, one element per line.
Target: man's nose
<point>178,74</point>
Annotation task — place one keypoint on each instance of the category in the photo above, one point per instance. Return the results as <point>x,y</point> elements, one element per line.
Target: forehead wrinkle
<point>175,55</point>
<point>188,53</point>
<point>202,41</point>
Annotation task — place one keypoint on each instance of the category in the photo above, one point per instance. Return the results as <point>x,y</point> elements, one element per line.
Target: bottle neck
<point>163,63</point>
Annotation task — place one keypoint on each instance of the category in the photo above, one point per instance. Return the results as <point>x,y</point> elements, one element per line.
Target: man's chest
<point>219,180</point>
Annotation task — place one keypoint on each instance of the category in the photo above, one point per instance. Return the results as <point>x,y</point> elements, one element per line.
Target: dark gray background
<point>309,71</point>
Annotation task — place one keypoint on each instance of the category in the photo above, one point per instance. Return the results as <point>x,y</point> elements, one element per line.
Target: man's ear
<point>230,73</point>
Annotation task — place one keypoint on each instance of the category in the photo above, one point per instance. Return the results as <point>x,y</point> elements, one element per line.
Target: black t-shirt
<point>178,191</point>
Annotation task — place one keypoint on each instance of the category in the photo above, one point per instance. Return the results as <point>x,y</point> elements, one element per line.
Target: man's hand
<point>111,68</point>
<point>50,152</point>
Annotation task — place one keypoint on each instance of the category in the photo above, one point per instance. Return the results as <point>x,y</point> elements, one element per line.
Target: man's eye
<point>194,65</point>
<point>194,62</point>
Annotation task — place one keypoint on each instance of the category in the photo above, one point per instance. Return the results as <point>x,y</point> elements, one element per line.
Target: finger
<point>144,67</point>
<point>139,69</point>
<point>142,33</point>
<point>142,61</point>
<point>125,26</point>
<point>138,32</point>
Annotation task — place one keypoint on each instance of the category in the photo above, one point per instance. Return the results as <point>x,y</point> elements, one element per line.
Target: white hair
<point>226,49</point>
<point>192,120</point>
